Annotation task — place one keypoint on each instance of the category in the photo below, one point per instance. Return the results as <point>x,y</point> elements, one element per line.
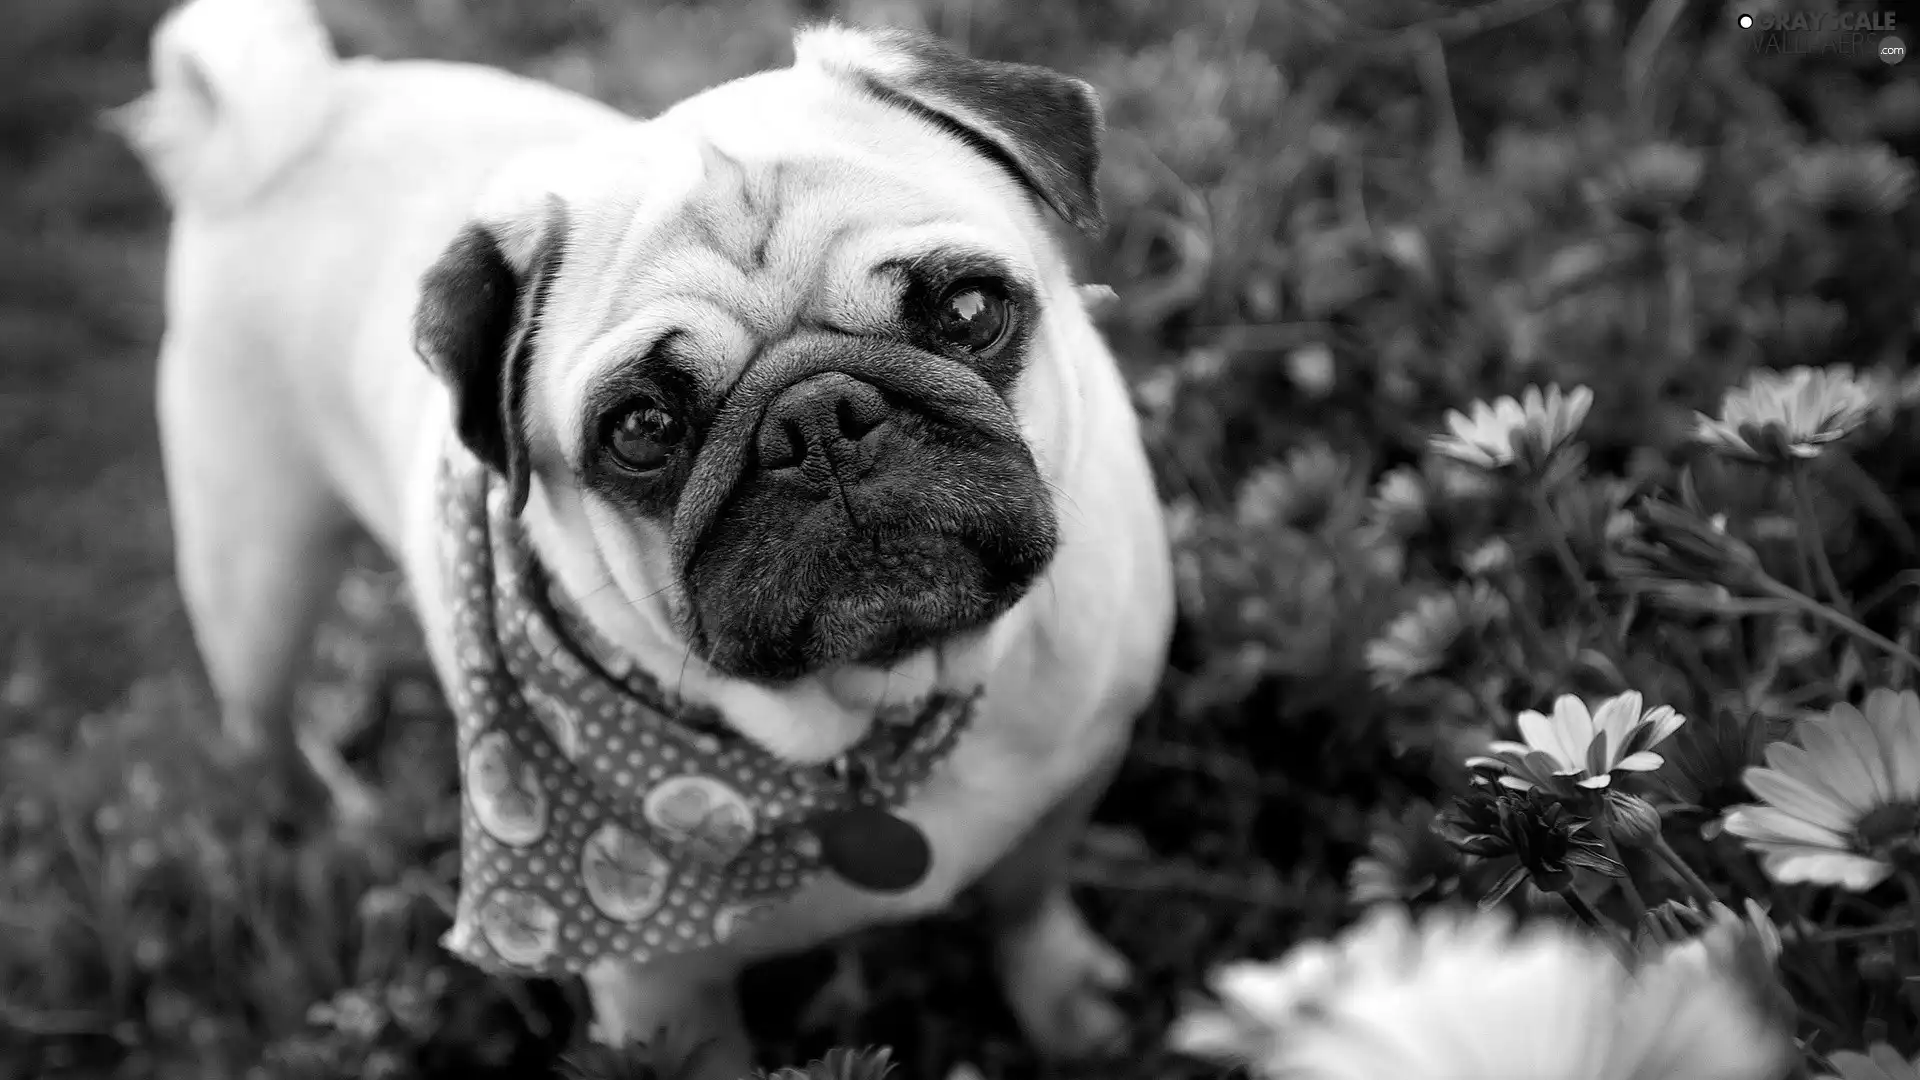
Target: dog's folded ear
<point>1041,125</point>
<point>475,326</point>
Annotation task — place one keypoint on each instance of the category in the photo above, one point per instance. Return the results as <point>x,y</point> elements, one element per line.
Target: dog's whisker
<point>610,583</point>
<point>1067,496</point>
<point>661,591</point>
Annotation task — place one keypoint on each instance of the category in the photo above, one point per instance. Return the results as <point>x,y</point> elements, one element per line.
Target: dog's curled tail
<point>240,89</point>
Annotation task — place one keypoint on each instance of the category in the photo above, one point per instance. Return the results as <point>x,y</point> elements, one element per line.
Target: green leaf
<point>1508,882</point>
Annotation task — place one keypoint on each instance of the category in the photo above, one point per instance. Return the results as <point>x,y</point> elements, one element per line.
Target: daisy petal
<point>1794,761</point>
<point>1617,717</point>
<point>1644,761</point>
<point>1803,801</point>
<point>1579,403</point>
<point>1463,429</point>
<point>1543,735</point>
<point>1572,726</point>
<point>1575,724</point>
<point>1896,717</point>
<point>1770,825</point>
<point>1860,734</point>
<point>1662,722</point>
<point>1791,759</point>
<point>1837,760</point>
<point>1805,866</point>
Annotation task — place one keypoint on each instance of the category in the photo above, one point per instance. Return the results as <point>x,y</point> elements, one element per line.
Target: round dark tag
<point>874,850</point>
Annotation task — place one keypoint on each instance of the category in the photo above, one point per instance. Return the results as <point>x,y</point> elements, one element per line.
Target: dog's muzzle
<point>875,501</point>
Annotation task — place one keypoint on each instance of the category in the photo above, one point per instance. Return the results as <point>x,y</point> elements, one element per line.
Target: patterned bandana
<point>603,817</point>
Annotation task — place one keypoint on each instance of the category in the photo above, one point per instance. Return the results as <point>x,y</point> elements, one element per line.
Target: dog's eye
<point>972,315</point>
<point>644,437</point>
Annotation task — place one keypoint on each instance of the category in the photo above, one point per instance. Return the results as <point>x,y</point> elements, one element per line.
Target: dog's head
<point>780,344</point>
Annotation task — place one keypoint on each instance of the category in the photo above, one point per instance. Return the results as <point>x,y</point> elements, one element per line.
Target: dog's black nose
<point>815,417</point>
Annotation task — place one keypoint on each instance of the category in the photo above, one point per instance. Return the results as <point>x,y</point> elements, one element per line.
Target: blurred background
<point>1331,221</point>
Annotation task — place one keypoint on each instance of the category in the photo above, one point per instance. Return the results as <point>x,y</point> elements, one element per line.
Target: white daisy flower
<point>1466,996</point>
<point>1253,997</point>
<point>1425,639</point>
<point>1788,416</point>
<point>1302,491</point>
<point>1400,502</point>
<point>1843,807</point>
<point>1526,432</point>
<point>1575,747</point>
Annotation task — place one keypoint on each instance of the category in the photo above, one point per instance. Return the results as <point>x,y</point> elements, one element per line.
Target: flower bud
<point>1631,820</point>
<point>1669,923</point>
<point>1679,545</point>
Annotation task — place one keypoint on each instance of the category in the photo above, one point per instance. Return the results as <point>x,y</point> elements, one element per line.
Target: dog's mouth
<point>905,683</point>
<point>862,581</point>
<point>870,618</point>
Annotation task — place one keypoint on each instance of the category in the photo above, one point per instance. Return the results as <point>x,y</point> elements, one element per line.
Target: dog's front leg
<point>686,1000</point>
<point>1059,976</point>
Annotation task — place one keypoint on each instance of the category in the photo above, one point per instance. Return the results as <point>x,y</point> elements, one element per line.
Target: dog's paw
<point>300,788</point>
<point>1060,979</point>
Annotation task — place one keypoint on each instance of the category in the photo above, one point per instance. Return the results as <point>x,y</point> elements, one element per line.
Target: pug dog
<point>720,450</point>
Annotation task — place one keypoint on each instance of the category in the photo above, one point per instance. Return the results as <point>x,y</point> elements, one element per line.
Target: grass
<point>1331,223</point>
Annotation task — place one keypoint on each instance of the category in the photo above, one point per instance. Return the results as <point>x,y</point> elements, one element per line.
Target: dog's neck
<point>807,721</point>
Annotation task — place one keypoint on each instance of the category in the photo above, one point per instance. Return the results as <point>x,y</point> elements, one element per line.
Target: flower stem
<point>1700,890</point>
<point>1809,534</point>
<point>1912,887</point>
<point>1563,550</point>
<point>1621,949</point>
<point>1828,615</point>
<point>1857,933</point>
<point>1532,638</point>
<point>1585,910</point>
<point>1626,876</point>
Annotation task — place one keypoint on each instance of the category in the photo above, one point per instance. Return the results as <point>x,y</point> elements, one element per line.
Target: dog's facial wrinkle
<point>741,231</point>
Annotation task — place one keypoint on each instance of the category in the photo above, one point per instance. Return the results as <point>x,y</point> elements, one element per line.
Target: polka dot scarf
<point>601,817</point>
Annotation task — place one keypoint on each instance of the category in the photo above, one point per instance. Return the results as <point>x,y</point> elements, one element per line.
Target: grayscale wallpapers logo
<point>1841,33</point>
